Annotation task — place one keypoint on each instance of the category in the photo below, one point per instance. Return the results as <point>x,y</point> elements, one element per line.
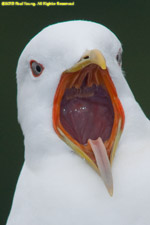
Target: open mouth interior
<point>86,110</point>
<point>88,115</point>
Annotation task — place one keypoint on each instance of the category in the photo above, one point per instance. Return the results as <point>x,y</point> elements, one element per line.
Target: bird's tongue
<point>103,162</point>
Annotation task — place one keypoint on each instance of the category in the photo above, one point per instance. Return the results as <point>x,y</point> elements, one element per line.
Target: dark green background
<point>129,20</point>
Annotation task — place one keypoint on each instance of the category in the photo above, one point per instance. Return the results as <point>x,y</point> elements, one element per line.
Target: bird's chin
<point>87,113</point>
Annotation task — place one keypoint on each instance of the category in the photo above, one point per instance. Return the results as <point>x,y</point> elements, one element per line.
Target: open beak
<point>87,113</point>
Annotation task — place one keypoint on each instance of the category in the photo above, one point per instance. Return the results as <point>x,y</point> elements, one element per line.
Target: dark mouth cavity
<point>87,112</point>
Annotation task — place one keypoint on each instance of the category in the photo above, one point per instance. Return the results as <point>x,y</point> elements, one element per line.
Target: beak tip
<point>109,187</point>
<point>110,191</point>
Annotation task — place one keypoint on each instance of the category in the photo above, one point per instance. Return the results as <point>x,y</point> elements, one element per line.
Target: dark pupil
<point>38,68</point>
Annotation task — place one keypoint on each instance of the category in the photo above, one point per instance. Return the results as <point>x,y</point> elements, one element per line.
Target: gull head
<point>70,81</point>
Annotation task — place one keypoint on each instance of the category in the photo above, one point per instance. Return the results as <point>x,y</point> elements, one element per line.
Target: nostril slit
<point>86,57</point>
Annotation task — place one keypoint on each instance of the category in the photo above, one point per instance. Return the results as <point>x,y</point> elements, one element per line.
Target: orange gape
<point>94,75</point>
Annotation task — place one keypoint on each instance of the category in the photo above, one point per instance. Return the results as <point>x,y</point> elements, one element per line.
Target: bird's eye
<point>119,57</point>
<point>36,68</point>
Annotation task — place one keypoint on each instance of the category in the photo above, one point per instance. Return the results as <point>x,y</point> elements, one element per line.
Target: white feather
<point>56,186</point>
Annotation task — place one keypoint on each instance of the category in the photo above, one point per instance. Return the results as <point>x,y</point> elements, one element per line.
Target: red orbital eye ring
<point>36,68</point>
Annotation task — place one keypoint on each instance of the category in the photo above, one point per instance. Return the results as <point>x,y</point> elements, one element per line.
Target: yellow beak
<point>91,70</point>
